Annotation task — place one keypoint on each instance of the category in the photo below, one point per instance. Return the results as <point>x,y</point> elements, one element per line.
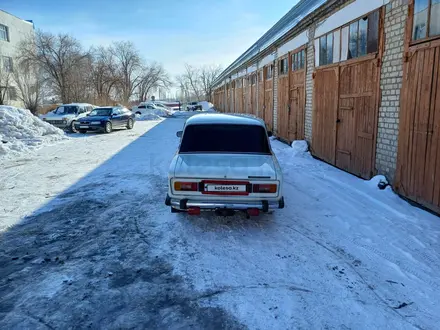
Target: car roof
<point>220,118</point>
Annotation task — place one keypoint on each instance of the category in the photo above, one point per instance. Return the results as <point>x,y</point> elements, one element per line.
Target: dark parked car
<point>106,119</point>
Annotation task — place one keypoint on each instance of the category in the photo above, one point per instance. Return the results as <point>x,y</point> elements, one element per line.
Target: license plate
<point>83,126</point>
<point>225,188</point>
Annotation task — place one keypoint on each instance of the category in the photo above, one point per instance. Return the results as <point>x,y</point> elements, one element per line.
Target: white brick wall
<point>310,67</point>
<point>275,95</point>
<point>390,86</point>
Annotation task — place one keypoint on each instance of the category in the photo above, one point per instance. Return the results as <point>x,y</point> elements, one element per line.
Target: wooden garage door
<point>356,122</point>
<point>254,97</point>
<point>283,101</point>
<point>418,166</point>
<point>268,104</point>
<point>326,93</point>
<point>261,94</point>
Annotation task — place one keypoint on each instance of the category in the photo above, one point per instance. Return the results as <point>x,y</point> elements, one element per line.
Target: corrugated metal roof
<point>284,25</point>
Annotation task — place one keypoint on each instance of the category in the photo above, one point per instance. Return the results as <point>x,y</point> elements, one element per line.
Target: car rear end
<point>225,168</point>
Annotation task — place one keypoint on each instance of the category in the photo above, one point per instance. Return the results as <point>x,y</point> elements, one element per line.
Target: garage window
<point>253,79</point>
<point>326,44</point>
<point>269,72</point>
<point>364,36</point>
<point>284,66</point>
<point>299,60</point>
<point>426,19</point>
<point>353,40</point>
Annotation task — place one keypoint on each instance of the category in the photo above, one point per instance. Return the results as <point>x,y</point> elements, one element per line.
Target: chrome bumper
<point>185,204</point>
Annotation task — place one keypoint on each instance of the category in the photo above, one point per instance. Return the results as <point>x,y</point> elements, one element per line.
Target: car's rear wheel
<point>130,123</point>
<point>72,127</point>
<point>108,127</point>
<point>138,113</point>
<point>83,131</point>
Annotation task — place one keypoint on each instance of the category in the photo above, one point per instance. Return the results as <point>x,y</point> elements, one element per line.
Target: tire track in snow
<point>342,258</point>
<point>404,266</point>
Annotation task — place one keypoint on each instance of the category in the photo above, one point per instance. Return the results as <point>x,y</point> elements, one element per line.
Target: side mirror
<point>179,134</point>
<point>269,133</point>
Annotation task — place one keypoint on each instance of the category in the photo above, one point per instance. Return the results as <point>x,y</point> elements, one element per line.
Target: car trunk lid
<point>225,166</point>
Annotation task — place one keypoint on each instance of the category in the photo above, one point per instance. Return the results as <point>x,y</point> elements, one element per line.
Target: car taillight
<point>264,188</point>
<point>185,186</point>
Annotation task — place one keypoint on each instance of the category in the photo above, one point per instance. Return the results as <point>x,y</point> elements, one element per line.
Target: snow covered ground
<point>88,242</point>
<point>20,131</point>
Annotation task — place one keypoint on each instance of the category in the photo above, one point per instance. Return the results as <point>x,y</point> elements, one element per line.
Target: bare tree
<point>207,76</point>
<point>196,82</point>
<point>5,82</point>
<point>129,67</point>
<point>153,77</point>
<point>104,74</point>
<point>192,78</point>
<point>28,81</point>
<point>59,57</point>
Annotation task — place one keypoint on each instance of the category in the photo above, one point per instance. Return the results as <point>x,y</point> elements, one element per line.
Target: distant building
<point>12,31</point>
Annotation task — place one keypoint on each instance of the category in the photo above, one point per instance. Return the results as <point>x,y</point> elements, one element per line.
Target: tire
<point>108,127</point>
<point>130,123</point>
<point>138,113</point>
<point>83,131</point>
<point>72,128</point>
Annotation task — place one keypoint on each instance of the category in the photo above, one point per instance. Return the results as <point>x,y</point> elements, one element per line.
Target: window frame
<point>8,59</point>
<point>8,39</point>
<point>341,28</point>
<point>292,54</point>
<point>410,25</point>
<point>269,66</point>
<point>12,93</point>
<point>280,65</point>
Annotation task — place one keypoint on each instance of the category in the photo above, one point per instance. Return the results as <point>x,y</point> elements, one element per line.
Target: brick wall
<point>310,67</point>
<point>275,94</point>
<point>390,85</point>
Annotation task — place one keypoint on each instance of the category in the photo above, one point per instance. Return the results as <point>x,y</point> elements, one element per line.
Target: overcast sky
<point>173,32</point>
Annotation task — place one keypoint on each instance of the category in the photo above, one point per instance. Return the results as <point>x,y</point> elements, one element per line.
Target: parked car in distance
<point>224,164</point>
<point>106,119</point>
<point>66,116</point>
<point>193,106</point>
<point>175,105</point>
<point>146,107</point>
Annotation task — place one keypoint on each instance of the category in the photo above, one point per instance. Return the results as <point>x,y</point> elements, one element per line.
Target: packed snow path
<point>88,242</point>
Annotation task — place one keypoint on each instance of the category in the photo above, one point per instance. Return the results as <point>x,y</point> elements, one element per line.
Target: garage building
<point>359,80</point>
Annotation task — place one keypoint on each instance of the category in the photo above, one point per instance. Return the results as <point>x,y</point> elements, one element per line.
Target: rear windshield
<point>219,138</point>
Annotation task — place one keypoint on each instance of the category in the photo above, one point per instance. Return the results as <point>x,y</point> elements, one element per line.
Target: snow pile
<point>148,116</point>
<point>21,131</point>
<point>159,112</point>
<point>182,113</point>
<point>379,181</point>
<point>299,149</point>
<point>206,105</point>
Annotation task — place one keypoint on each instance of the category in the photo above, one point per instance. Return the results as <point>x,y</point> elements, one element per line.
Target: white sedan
<point>224,164</point>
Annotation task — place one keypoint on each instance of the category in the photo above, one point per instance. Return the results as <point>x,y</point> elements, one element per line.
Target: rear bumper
<point>262,205</point>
